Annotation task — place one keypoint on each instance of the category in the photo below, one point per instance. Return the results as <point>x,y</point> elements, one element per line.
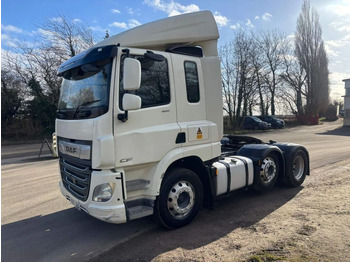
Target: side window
<point>192,84</point>
<point>154,89</point>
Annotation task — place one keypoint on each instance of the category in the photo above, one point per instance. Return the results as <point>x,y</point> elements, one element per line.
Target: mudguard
<point>288,151</point>
<point>257,153</point>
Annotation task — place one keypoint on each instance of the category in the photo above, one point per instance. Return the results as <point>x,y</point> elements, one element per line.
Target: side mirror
<point>131,102</point>
<point>132,74</point>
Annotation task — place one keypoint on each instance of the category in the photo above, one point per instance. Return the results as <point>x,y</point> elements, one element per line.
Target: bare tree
<point>61,38</point>
<point>229,83</point>
<point>257,59</point>
<point>271,45</point>
<point>293,75</point>
<point>263,72</point>
<point>321,96</point>
<point>38,62</point>
<point>310,51</point>
<point>242,50</point>
<point>239,77</point>
<point>66,36</point>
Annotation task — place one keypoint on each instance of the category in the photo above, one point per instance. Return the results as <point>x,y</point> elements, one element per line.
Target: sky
<point>20,20</point>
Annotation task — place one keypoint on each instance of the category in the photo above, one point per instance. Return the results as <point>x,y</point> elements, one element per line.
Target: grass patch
<point>266,257</point>
<point>254,258</point>
<point>306,230</point>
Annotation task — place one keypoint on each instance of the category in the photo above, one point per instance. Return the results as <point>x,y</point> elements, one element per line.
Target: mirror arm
<point>127,51</point>
<point>123,117</point>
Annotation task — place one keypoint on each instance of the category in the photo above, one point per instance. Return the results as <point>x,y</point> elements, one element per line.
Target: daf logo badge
<point>70,149</point>
<point>75,150</point>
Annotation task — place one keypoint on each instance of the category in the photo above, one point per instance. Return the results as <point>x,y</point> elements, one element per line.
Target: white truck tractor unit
<point>140,122</point>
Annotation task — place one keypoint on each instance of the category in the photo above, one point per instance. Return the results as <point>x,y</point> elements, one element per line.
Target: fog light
<point>103,192</point>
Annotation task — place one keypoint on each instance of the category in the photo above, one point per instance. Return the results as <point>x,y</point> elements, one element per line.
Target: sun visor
<point>88,56</point>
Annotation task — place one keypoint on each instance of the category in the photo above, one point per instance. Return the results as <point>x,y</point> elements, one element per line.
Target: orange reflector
<point>217,172</point>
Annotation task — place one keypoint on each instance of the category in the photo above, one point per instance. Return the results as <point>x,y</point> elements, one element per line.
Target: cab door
<point>190,99</point>
<point>150,132</point>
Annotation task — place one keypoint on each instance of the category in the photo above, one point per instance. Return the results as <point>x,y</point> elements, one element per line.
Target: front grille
<point>76,177</point>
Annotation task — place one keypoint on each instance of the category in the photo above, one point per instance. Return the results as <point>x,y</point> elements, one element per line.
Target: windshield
<point>85,91</point>
<point>256,119</point>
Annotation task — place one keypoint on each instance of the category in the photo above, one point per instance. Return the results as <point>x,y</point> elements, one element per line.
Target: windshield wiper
<point>85,104</point>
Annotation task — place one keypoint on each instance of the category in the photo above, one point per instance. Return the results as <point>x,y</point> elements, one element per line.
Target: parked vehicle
<point>254,123</point>
<point>332,113</point>
<point>139,125</point>
<point>274,121</point>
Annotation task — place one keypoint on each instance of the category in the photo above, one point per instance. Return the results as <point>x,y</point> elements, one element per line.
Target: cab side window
<point>155,88</point>
<point>192,83</point>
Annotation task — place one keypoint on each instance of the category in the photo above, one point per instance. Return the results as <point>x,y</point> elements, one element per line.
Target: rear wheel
<point>269,171</point>
<point>296,171</point>
<point>180,199</point>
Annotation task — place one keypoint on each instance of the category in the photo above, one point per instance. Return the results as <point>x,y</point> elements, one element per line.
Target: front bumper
<point>112,211</point>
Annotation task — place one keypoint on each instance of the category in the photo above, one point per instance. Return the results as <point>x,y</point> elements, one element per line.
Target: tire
<point>268,173</point>
<point>297,169</point>
<point>180,198</point>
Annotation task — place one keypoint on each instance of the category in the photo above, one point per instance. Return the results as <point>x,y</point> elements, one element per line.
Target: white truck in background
<point>140,122</point>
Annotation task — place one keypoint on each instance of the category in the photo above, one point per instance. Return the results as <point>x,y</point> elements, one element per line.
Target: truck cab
<point>129,110</point>
<point>139,125</point>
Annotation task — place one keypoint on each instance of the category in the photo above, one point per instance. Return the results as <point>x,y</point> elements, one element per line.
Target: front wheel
<point>180,199</point>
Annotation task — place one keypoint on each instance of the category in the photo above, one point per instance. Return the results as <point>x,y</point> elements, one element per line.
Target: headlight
<point>103,192</point>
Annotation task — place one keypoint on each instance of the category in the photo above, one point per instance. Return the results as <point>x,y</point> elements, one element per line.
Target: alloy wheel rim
<point>181,199</point>
<point>298,167</point>
<point>268,170</point>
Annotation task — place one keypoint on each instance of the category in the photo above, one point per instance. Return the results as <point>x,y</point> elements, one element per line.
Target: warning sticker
<point>199,134</point>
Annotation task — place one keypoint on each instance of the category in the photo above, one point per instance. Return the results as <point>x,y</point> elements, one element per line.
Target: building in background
<point>347,102</point>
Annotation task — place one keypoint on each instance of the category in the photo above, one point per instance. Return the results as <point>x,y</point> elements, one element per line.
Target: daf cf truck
<point>140,122</point>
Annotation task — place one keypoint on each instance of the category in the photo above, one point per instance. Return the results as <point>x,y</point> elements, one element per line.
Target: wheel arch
<point>201,169</point>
